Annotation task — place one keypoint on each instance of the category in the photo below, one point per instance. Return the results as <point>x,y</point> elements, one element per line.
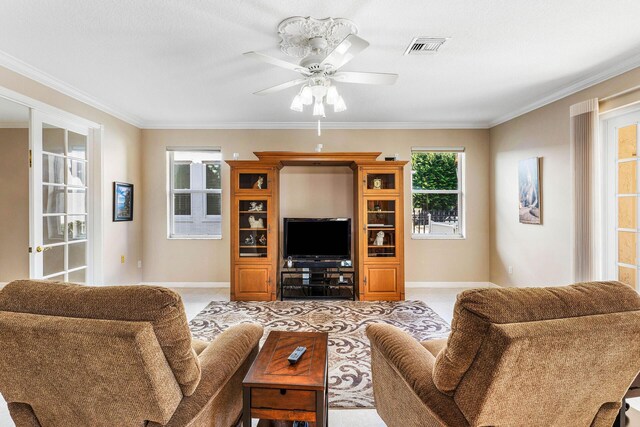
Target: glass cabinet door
<point>253,226</point>
<point>381,221</point>
<point>253,181</point>
<point>380,182</point>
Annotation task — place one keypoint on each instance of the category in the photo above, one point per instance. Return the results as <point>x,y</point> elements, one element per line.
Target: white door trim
<point>95,178</point>
<point>609,124</point>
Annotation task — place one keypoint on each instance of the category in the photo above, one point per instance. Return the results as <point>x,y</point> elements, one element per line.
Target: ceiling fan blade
<point>345,51</point>
<point>280,87</point>
<point>365,78</point>
<point>278,62</point>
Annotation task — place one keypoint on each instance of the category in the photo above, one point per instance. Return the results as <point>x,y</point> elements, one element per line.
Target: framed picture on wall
<point>529,191</point>
<point>122,201</point>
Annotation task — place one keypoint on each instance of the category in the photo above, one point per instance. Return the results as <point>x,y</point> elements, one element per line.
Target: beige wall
<point>208,260</point>
<point>539,254</point>
<point>122,162</point>
<point>14,205</point>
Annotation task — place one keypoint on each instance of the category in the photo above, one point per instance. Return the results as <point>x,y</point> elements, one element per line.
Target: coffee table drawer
<point>274,398</point>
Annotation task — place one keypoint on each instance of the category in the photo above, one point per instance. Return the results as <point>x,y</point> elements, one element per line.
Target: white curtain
<point>583,138</point>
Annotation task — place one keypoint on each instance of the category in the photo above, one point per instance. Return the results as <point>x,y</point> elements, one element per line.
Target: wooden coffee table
<point>275,390</point>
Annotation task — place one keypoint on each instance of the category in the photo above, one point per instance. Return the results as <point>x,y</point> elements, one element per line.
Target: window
<point>437,196</point>
<point>195,193</point>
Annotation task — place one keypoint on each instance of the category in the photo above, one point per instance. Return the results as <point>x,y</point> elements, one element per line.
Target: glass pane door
<point>381,228</point>
<point>253,228</point>
<point>627,205</point>
<point>59,202</point>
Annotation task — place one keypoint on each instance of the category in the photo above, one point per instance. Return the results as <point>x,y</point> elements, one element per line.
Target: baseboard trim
<point>189,284</point>
<point>449,285</point>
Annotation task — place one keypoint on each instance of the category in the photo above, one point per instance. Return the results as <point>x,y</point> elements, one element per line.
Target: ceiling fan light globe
<point>318,109</point>
<point>339,106</point>
<point>332,95</point>
<point>306,96</point>
<point>296,104</point>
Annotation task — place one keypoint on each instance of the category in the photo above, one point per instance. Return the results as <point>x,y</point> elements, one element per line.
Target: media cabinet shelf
<point>378,213</point>
<point>317,283</point>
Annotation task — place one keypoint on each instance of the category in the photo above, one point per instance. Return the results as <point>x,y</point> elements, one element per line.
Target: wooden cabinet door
<point>381,181</point>
<point>253,229</point>
<point>253,283</point>
<point>254,181</point>
<point>382,230</point>
<point>382,282</point>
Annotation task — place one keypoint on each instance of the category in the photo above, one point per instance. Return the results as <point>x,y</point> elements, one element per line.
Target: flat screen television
<point>317,238</point>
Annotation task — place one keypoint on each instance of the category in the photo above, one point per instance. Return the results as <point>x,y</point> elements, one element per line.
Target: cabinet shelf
<point>253,212</point>
<point>253,229</point>
<point>252,247</point>
<point>381,212</point>
<point>382,246</point>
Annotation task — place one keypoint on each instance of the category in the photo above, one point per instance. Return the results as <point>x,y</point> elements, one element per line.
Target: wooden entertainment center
<point>378,223</point>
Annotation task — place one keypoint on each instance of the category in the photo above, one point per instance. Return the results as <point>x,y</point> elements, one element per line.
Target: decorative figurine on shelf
<point>255,223</point>
<point>377,184</point>
<point>263,240</point>
<point>258,184</point>
<point>256,207</point>
<point>379,241</point>
<point>289,262</point>
<point>377,207</point>
<point>250,240</point>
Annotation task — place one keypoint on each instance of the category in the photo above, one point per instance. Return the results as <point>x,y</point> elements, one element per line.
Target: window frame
<point>200,193</point>
<point>461,234</point>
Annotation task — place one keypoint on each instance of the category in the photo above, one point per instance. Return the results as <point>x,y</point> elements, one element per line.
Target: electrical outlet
<point>121,259</point>
<point>139,264</point>
<point>510,270</point>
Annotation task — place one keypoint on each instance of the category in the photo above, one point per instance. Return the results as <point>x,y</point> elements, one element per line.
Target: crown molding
<point>14,64</point>
<point>314,125</point>
<point>578,85</point>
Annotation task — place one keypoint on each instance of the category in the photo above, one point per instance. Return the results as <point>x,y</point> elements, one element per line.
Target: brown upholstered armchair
<point>560,356</point>
<point>122,356</point>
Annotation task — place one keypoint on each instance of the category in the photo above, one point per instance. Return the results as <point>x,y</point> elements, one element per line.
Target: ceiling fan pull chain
<point>319,130</point>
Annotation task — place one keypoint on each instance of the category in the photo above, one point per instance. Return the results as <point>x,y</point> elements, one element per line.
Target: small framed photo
<point>529,189</point>
<point>122,201</point>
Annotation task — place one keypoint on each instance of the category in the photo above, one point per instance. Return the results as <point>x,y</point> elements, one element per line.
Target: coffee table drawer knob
<point>283,391</point>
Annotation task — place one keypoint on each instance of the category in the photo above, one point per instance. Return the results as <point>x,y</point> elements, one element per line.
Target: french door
<point>59,195</point>
<point>623,143</point>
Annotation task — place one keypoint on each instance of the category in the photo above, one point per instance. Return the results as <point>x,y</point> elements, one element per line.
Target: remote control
<point>296,355</point>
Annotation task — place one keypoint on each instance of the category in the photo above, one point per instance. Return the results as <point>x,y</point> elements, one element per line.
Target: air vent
<point>425,45</point>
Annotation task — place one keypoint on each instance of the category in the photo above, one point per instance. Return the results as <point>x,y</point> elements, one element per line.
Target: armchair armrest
<point>403,383</point>
<point>225,359</point>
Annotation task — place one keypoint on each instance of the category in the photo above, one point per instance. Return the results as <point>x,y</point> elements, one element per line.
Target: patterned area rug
<point>345,321</point>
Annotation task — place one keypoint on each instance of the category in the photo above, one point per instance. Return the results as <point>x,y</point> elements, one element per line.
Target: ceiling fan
<point>323,46</point>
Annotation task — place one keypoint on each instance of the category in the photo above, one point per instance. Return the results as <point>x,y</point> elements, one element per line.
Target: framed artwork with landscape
<point>122,201</point>
<point>529,191</point>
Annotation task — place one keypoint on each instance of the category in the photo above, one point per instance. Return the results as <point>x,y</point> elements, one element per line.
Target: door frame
<point>95,179</point>
<point>609,122</point>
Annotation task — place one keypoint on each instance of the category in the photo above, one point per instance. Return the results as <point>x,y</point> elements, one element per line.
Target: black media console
<point>317,280</point>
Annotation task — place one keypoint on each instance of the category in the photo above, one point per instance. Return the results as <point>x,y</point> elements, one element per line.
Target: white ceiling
<point>180,63</point>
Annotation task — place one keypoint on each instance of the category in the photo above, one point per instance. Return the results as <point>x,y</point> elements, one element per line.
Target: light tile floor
<point>441,300</point>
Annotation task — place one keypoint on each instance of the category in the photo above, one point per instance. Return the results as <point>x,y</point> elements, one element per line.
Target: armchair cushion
<point>435,346</point>
<point>162,308</point>
<point>198,345</point>
<point>477,309</point>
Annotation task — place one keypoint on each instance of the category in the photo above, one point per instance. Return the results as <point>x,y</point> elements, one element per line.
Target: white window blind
<point>195,193</point>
